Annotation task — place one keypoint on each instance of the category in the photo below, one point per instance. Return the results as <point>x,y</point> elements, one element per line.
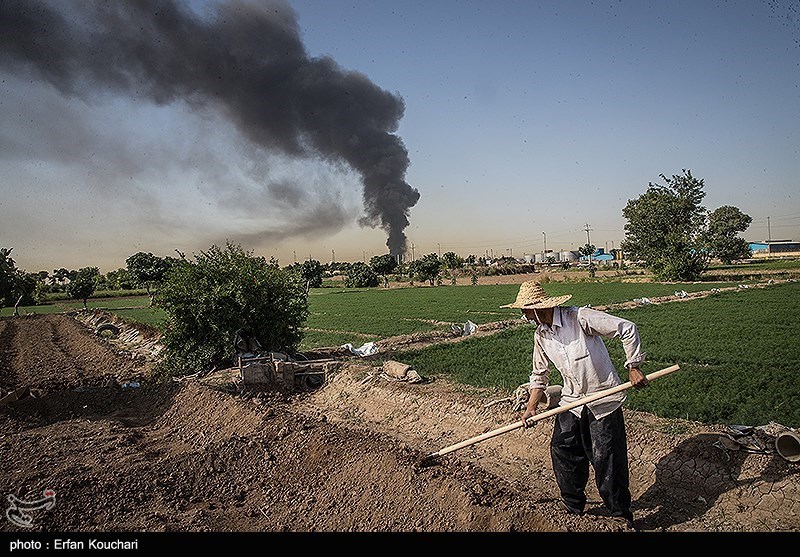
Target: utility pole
<point>769,231</point>
<point>588,243</point>
<point>545,242</point>
<point>294,256</point>
<point>333,256</point>
<point>439,247</point>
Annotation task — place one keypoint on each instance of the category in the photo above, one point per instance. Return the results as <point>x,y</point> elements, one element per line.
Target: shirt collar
<point>556,316</point>
<point>556,320</point>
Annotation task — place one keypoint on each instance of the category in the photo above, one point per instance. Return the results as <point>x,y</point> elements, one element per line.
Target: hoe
<point>429,459</point>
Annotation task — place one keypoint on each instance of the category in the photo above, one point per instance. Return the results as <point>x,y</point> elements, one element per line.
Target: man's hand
<point>528,413</point>
<point>638,380</point>
<point>533,405</point>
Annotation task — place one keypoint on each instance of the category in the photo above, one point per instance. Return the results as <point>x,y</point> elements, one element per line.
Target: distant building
<point>775,247</point>
<point>599,256</point>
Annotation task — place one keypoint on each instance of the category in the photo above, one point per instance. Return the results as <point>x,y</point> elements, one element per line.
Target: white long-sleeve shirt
<point>574,345</point>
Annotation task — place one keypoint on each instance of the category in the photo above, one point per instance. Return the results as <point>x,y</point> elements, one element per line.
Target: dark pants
<point>579,442</point>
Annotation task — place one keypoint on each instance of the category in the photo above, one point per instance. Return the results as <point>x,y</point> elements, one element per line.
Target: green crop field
<point>383,313</point>
<point>739,357</point>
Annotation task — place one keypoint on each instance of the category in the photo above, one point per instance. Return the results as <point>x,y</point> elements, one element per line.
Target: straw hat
<point>532,296</point>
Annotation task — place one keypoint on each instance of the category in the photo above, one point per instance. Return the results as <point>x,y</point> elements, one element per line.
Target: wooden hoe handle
<point>548,413</point>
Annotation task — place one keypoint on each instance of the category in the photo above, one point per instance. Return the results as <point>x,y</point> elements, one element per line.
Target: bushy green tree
<point>722,240</point>
<point>384,265</point>
<point>310,272</point>
<point>222,291</point>
<point>426,267</point>
<point>8,271</point>
<point>665,228</point>
<point>16,286</point>
<point>83,284</point>
<point>149,270</point>
<point>361,275</point>
<point>452,261</point>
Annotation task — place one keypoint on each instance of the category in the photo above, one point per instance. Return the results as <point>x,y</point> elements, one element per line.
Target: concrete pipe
<point>788,445</point>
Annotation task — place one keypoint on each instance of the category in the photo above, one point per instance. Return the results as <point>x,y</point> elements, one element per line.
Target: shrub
<point>361,275</point>
<point>224,290</point>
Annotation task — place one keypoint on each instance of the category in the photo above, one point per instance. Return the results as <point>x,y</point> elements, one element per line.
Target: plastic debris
<point>366,349</point>
<point>750,439</point>
<point>468,328</point>
<point>131,385</point>
<point>681,294</point>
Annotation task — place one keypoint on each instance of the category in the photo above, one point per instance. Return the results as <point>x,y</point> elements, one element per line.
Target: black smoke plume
<point>246,61</point>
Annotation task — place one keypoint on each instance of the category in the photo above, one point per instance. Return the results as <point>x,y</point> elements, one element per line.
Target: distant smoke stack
<point>248,63</point>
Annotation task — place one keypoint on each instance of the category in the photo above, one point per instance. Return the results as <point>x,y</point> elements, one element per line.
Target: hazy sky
<point>315,128</point>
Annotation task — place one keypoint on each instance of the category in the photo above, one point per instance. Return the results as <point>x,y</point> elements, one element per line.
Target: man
<point>571,338</point>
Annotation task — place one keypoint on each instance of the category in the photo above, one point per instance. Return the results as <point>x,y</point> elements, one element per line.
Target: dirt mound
<point>184,456</point>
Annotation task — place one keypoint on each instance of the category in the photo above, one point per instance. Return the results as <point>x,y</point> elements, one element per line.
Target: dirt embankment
<point>183,456</point>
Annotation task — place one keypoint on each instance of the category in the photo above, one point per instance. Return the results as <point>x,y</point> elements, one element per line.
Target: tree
<point>83,285</point>
<point>722,242</point>
<point>360,275</point>
<point>7,277</point>
<point>16,286</point>
<point>587,250</point>
<point>148,270</point>
<point>452,261</point>
<point>426,267</point>
<point>59,277</point>
<point>311,271</point>
<point>223,291</point>
<point>665,228</point>
<point>384,265</point>
<point>120,279</point>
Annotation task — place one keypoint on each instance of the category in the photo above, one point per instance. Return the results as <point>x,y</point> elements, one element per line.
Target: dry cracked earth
<point>204,454</point>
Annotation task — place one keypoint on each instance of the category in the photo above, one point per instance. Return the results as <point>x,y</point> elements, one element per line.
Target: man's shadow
<point>690,479</point>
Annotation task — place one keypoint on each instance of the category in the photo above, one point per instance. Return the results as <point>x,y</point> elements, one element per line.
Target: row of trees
<point>147,271</point>
<point>668,230</point>
<point>18,287</point>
